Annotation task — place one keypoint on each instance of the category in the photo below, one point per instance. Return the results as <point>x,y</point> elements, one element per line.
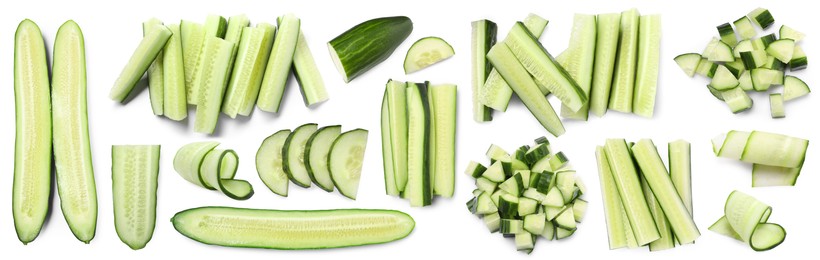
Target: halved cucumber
<point>293,154</point>
<point>279,63</point>
<point>134,173</point>
<point>425,52</point>
<point>317,149</point>
<point>72,148</point>
<point>345,161</point>
<point>175,106</point>
<point>367,44</point>
<point>145,54</point>
<point>155,72</point>
<point>269,163</point>
<point>278,229</point>
<point>32,146</point>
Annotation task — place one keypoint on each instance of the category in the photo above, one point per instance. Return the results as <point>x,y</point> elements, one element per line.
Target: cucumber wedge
<point>293,154</point>
<point>367,44</point>
<point>317,149</point>
<point>425,52</point>
<point>646,77</point>
<point>623,82</point>
<point>269,163</point>
<point>606,48</point>
<point>72,148</point>
<point>277,229</point>
<point>279,63</point>
<point>345,161</point>
<point>134,173</point>
<point>307,74</point>
<point>794,87</point>
<point>155,73</point>
<point>211,82</point>
<point>214,27</point>
<point>483,38</point>
<point>443,115</point>
<point>418,188</point>
<point>32,142</point>
<point>175,103</point>
<point>145,54</point>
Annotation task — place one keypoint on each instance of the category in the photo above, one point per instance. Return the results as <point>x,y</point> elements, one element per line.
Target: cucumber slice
<point>218,169</point>
<point>782,49</point>
<point>279,63</point>
<point>155,72</point>
<point>623,82</point>
<point>578,59</point>
<point>31,190</point>
<point>794,87</point>
<point>214,64</point>
<point>293,154</point>
<point>606,47</point>
<point>723,79</point>
<point>629,188</point>
<point>688,62</point>
<point>646,77</point>
<point>192,36</point>
<point>774,150</point>
<point>387,151</point>
<point>444,117</point>
<point>278,229</point>
<point>680,170</point>
<point>317,149</point>
<point>307,73</point>
<point>483,38</point>
<point>744,213</point>
<point>188,160</point>
<point>367,44</point>
<point>733,144</point>
<point>425,52</point>
<point>723,227</point>
<point>418,187</point>
<point>727,34</point>
<point>345,161</point>
<point>761,17</point>
<point>799,60</point>
<point>145,54</point>
<point>786,32</point>
<point>251,58</point>
<point>269,163</point>
<point>776,105</point>
<point>767,176</point>
<point>396,95</point>
<point>175,103</point>
<point>72,148</point>
<point>134,173</point>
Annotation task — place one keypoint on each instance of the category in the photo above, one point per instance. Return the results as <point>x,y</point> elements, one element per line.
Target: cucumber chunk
<point>776,105</point>
<point>688,62</point>
<point>425,52</point>
<point>794,87</point>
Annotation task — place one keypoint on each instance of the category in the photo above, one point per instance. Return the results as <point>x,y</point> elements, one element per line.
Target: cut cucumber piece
<point>723,79</point>
<point>211,82</point>
<point>483,38</point>
<point>767,236</point>
<point>688,62</point>
<point>744,27</point>
<point>578,59</point>
<point>192,36</point>
<point>623,82</point>
<point>667,239</point>
<point>706,68</point>
<point>510,68</point>
<point>218,169</point>
<point>680,170</point>
<point>737,99</point>
<point>776,105</point>
<point>315,155</point>
<point>175,103</point>
<point>154,73</point>
<point>774,150</point>
<point>307,73</point>
<point>233,33</point>
<point>753,59</point>
<point>293,154</point>
<point>269,163</point>
<point>134,171</point>
<point>716,93</point>
<point>387,152</point>
<point>145,54</point>
<point>761,17</point>
<point>425,52</point>
<point>606,47</point>
<point>723,227</point>
<point>786,32</point>
<point>418,187</point>
<point>745,81</point>
<point>278,229</point>
<point>492,221</point>
<point>444,117</point>
<point>744,213</point>
<point>214,27</point>
<point>736,67</point>
<point>727,34</point>
<point>345,161</point>
<point>475,169</point>
<point>31,190</point>
<point>744,45</point>
<point>485,184</point>
<point>782,49</point>
<point>188,160</point>
<point>279,63</point>
<point>794,87</point>
<point>767,176</point>
<point>72,149</point>
<point>629,188</point>
<point>733,144</point>
<point>646,77</point>
<point>367,44</point>
<point>579,209</point>
<point>799,60</point>
<point>763,42</point>
<point>396,94</point>
<point>762,79</point>
<point>619,230</point>
<point>248,68</point>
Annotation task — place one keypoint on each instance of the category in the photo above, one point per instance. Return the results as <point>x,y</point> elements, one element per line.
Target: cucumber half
<point>134,172</point>
<point>425,52</point>
<point>367,44</point>
<point>269,163</point>
<point>316,153</point>
<point>293,154</point>
<point>345,161</point>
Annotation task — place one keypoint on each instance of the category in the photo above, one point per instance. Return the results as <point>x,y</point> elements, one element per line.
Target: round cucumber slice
<point>345,161</point>
<point>316,152</point>
<point>425,52</point>
<point>269,163</point>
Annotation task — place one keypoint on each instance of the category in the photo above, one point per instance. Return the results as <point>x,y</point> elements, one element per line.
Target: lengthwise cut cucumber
<point>249,68</point>
<point>155,73</point>
<point>32,145</point>
<point>418,188</point>
<point>214,61</point>
<point>623,82</point>
<point>145,54</point>
<point>134,172</point>
<point>425,52</point>
<point>278,229</point>
<point>367,44</point>
<point>606,48</point>
<point>578,60</point>
<point>483,38</point>
<point>279,63</point>
<point>175,106</point>
<point>443,113</point>
<point>72,150</point>
<point>307,74</point>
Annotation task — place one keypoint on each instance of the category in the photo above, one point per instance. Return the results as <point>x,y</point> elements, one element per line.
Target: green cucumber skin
<point>72,149</point>
<point>286,148</point>
<point>32,145</point>
<point>369,43</point>
<point>307,160</point>
<point>176,219</point>
<point>483,113</point>
<point>307,73</point>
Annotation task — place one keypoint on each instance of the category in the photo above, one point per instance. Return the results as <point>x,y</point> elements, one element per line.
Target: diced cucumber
<point>279,64</point>
<point>767,176</point>
<point>721,52</point>
<point>776,105</point>
<point>775,64</point>
<point>535,223</point>
<point>744,27</point>
<point>744,45</point>
<point>511,226</point>
<point>745,81</point>
<point>753,59</point>
<point>799,60</point>
<point>495,172</point>
<point>485,184</point>
<point>514,185</point>
<point>794,87</point>
<point>527,206</point>
<point>606,47</point>
<point>723,79</point>
<point>524,242</point>
<point>307,73</point>
<point>623,82</point>
<point>269,163</point>
<point>251,58</point>
<point>786,32</point>
<point>680,170</point>
<point>367,44</point>
<point>688,62</point>
<point>154,73</point>
<point>175,103</point>
<point>425,52</point>
<point>774,149</point>
<point>761,17</point>
<point>315,155</point>
<point>763,42</point>
<point>507,206</point>
<point>629,188</point>
<point>485,205</point>
<point>706,68</point>
<point>566,219</point>
<point>737,99</point>
<point>579,209</point>
<point>418,124</point>
<point>475,169</point>
<point>782,49</point>
<point>736,67</point>
<point>492,221</point>
<point>345,161</point>
<point>483,38</point>
<point>715,93</point>
<point>211,82</point>
<point>578,59</point>
<point>145,54</point>
<point>134,172</point>
<point>553,212</point>
<point>554,198</point>
<point>762,79</point>
<point>727,34</point>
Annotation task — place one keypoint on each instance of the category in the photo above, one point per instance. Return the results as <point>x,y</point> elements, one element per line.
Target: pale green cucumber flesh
<point>218,169</point>
<point>317,149</point>
<point>175,103</point>
<point>418,189</point>
<point>293,154</point>
<point>396,95</point>
<point>134,171</point>
<point>345,161</point>
<point>269,163</point>
<point>629,188</point>
<point>483,38</point>
<point>212,81</point>
<point>444,115</point>
<point>155,73</point>
<point>425,52</point>
<point>188,160</point>
<point>279,63</point>
<point>307,73</point>
<point>192,36</point>
<point>387,151</point>
<point>578,60</point>
<point>619,231</point>
<point>646,77</point>
<point>623,81</point>
<point>145,54</point>
<point>606,48</point>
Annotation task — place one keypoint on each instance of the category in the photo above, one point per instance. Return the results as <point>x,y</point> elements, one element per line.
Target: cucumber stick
<point>629,188</point>
<point>175,103</point>
<point>72,149</point>
<point>233,33</point>
<point>214,27</point>
<point>623,82</point>
<point>606,47</point>
<point>214,62</point>
<point>345,161</point>
<point>279,63</point>
<point>249,67</point>
<point>277,229</point>
<point>367,44</point>
<point>33,126</point>
<point>667,239</point>
<point>307,73</point>
<point>578,60</point>
<point>155,73</point>
<point>145,54</point>
<point>396,95</point>
<point>617,224</point>
<point>418,188</point>
<point>269,163</point>
<point>134,173</point>
<point>387,151</point>
<point>192,36</point>
<point>443,113</point>
<point>483,38</point>
<point>680,170</point>
<point>646,77</point>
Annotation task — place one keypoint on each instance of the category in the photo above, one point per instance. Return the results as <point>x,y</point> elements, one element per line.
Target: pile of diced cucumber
<point>418,127</point>
<point>746,219</point>
<point>776,159</point>
<point>529,194</point>
<point>223,65</point>
<point>611,63</point>
<point>644,203</point>
<point>739,62</point>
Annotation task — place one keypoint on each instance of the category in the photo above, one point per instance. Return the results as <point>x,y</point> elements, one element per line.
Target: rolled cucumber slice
<point>134,171</point>
<point>775,150</point>
<point>269,163</point>
<point>317,149</point>
<point>188,160</point>
<point>345,161</point>
<point>175,103</point>
<point>155,73</point>
<point>289,230</point>
<point>748,218</point>
<point>279,64</point>
<point>293,154</point>
<point>425,52</point>
<point>367,44</point>
<point>145,54</point>
<point>767,176</point>
<point>72,148</point>
<point>218,169</point>
<point>33,137</point>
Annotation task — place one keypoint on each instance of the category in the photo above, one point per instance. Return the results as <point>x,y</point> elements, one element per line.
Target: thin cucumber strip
<point>774,150</point>
<point>680,170</point>
<point>32,141</point>
<point>426,52</point>
<point>431,143</point>
<point>307,74</point>
<point>188,159</point>
<point>279,63</point>
<point>72,148</point>
<point>175,103</point>
<point>623,82</point>
<point>517,76</point>
<point>192,36</point>
<point>387,151</point>
<point>367,44</point>
<point>145,54</point>
<point>444,115</point>
<point>218,169</point>
<point>657,178</point>
<point>767,176</point>
<point>606,47</point>
<point>483,38</point>
<point>277,229</point>
<point>317,149</point>
<point>618,229</point>
<point>731,144</point>
<point>269,163</point>
<point>667,239</point>
<point>345,161</point>
<point>646,77</point>
<point>418,188</point>
<point>293,154</point>
<point>155,73</point>
<point>134,173</point>
<point>396,92</point>
<point>215,61</point>
<point>744,213</point>
<point>578,59</point>
<point>249,67</point>
<point>629,188</point>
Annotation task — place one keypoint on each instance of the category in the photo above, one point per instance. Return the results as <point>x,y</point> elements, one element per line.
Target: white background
<point>685,109</point>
